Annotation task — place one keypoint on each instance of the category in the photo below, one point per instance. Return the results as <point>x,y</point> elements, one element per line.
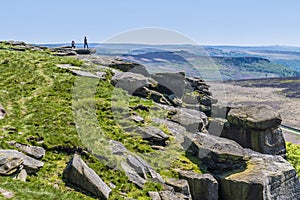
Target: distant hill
<point>233,62</point>
<point>229,67</point>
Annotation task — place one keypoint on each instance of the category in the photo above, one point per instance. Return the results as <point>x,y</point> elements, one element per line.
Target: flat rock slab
<point>255,116</point>
<point>86,74</point>
<point>79,174</point>
<point>68,66</point>
<point>266,178</point>
<point>31,165</point>
<point>33,151</point>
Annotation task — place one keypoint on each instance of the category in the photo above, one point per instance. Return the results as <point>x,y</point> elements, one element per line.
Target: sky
<point>207,22</point>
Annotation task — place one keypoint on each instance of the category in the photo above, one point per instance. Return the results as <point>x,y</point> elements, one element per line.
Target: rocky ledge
<point>246,163</point>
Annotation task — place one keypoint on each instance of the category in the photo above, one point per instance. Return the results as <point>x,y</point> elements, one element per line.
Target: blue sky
<point>215,22</point>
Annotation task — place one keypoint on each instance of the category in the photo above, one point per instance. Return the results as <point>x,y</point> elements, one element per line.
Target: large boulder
<point>218,154</point>
<point>131,81</point>
<point>266,177</point>
<point>78,173</point>
<point>192,120</point>
<point>30,164</point>
<point>259,117</point>
<point>257,128</point>
<point>202,186</point>
<point>170,83</point>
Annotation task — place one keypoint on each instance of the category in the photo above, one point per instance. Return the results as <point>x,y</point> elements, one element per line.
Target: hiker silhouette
<point>85,43</point>
<point>73,44</point>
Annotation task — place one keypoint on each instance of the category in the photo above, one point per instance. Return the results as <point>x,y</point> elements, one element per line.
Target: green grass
<point>293,155</point>
<point>49,107</point>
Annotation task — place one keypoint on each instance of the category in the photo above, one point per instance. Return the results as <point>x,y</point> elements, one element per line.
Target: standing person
<point>73,44</point>
<point>85,43</point>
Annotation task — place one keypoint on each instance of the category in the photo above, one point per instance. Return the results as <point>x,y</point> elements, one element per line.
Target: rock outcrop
<point>257,128</point>
<point>79,174</point>
<point>257,176</point>
<point>266,177</point>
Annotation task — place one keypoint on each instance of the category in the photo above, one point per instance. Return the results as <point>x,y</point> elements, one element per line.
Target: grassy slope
<point>37,96</point>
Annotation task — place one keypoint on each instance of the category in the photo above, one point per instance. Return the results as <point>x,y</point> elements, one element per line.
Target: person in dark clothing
<point>73,44</point>
<point>85,43</point>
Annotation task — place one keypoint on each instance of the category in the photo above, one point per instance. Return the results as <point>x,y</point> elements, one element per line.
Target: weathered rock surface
<point>10,164</point>
<point>180,186</point>
<point>118,148</point>
<point>31,165</point>
<point>267,177</point>
<point>170,83</point>
<point>138,170</point>
<point>192,120</point>
<point>168,195</point>
<point>133,176</point>
<point>218,154</point>
<point>88,74</point>
<point>69,51</point>
<point>33,151</point>
<point>2,112</point>
<point>131,81</point>
<point>79,174</point>
<point>256,117</point>
<point>153,134</point>
<point>257,128</point>
<point>157,97</point>
<point>154,195</point>
<point>202,186</point>
<point>174,128</point>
